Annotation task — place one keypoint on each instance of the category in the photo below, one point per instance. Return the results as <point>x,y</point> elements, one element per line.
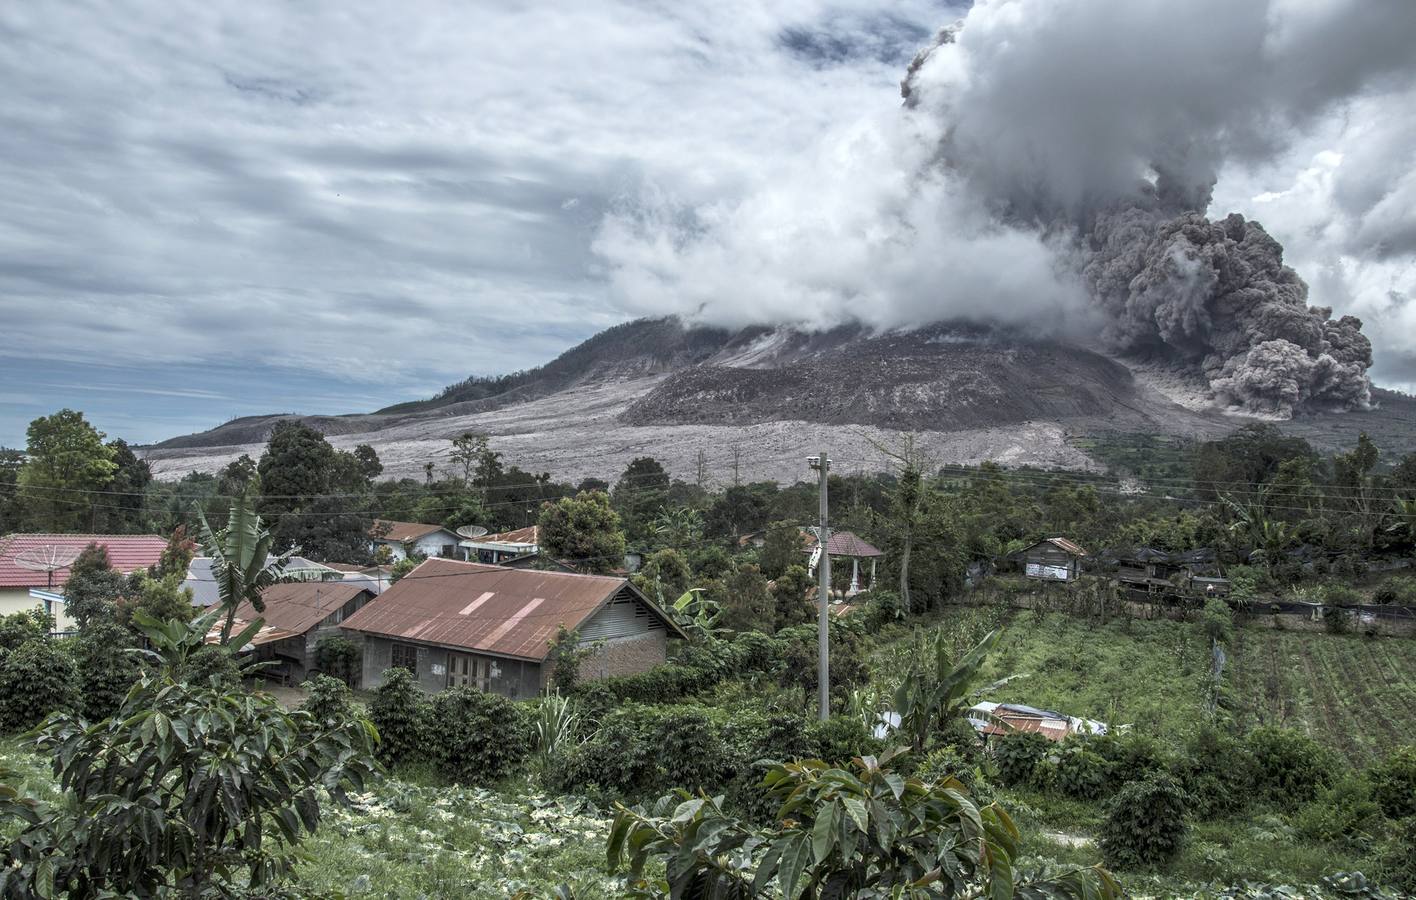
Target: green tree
<point>122,509</point>
<point>664,576</point>
<point>781,548</point>
<point>639,495</point>
<point>370,466</point>
<point>151,807</point>
<point>748,604</point>
<point>65,459</point>
<point>1245,459</point>
<point>161,599</point>
<point>94,588</point>
<point>107,667</point>
<point>11,461</point>
<point>789,601</point>
<point>583,530</point>
<point>304,482</point>
<point>177,556</point>
<point>678,527</point>
<point>480,464</point>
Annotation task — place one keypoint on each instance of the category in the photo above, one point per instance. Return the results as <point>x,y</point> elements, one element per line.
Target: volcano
<point>752,403</point>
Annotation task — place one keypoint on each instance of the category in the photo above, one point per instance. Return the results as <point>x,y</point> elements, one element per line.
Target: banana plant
<point>935,688</point>
<point>697,613</point>
<point>242,563</point>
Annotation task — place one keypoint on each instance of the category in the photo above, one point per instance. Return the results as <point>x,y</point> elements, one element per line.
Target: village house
<point>455,623</point>
<point>1053,559</point>
<point>297,615</point>
<point>35,567</point>
<point>496,549</point>
<point>404,539</point>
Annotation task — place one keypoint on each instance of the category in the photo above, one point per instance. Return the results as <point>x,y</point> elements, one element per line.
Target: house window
<point>405,656</point>
<point>449,551</point>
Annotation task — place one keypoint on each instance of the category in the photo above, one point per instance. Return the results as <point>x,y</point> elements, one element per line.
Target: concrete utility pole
<point>822,464</point>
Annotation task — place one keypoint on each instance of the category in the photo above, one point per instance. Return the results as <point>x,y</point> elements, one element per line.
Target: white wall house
<point>403,538</point>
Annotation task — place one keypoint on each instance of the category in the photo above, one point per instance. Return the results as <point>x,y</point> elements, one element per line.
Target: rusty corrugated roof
<point>529,535</point>
<point>298,606</point>
<point>492,609</point>
<point>401,532</point>
<point>1065,545</point>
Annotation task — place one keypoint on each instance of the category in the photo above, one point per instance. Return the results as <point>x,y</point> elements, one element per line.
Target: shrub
<point>1133,756</point>
<point>839,739</point>
<point>211,664</point>
<point>948,762</point>
<point>1218,621</point>
<point>1337,594</point>
<point>18,629</point>
<point>619,758</point>
<point>339,657</point>
<point>1290,768</point>
<point>481,737</point>
<point>1342,812</point>
<point>400,712</point>
<point>107,668</point>
<point>1396,864</point>
<point>1017,755</point>
<point>691,750</point>
<point>1145,823</point>
<point>329,701</point>
<point>1217,772</point>
<point>36,680</point>
<point>1081,773</point>
<point>565,655</point>
<point>1393,783</point>
<point>1398,590</point>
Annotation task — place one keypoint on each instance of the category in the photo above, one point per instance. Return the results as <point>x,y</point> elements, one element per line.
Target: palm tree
<point>241,561</point>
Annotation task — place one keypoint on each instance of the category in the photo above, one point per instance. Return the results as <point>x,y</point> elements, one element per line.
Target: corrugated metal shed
<point>301,605</point>
<point>126,553</point>
<point>491,609</point>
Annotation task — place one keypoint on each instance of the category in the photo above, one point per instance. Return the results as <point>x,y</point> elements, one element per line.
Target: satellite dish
<point>48,559</point>
<point>471,532</point>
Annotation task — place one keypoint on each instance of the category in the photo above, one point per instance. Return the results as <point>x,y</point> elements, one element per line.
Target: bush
<point>839,739</point>
<point>1399,590</point>
<point>400,712</point>
<point>1337,594</point>
<point>1396,864</point>
<point>1393,783</point>
<point>1017,756</point>
<point>1218,621</point>
<point>18,629</point>
<point>691,750</point>
<point>1145,824</point>
<point>339,658</point>
<point>1081,773</point>
<point>1342,812</point>
<point>1217,772</point>
<point>211,665</point>
<point>619,758</point>
<point>946,762</point>
<point>1133,756</point>
<point>36,680</point>
<point>481,738</point>
<point>1290,768</point>
<point>565,656</point>
<point>329,701</point>
<point>107,668</point>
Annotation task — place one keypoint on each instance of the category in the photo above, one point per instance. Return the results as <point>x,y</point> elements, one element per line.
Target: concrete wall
<point>13,600</point>
<point>514,678</point>
<point>428,545</point>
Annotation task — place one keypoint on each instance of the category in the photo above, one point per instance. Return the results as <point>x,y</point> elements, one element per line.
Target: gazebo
<point>846,544</point>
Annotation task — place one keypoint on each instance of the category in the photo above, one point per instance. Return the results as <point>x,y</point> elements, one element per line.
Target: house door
<point>472,671</point>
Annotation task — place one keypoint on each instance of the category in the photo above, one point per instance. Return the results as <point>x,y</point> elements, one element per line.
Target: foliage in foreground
<point>191,788</point>
<point>870,833</point>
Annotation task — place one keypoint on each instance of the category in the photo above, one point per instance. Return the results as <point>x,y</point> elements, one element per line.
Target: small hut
<point>1053,559</point>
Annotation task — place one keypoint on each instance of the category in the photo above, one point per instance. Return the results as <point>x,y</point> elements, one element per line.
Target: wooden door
<point>469,670</point>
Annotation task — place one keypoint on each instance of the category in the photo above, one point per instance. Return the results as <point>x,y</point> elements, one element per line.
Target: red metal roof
<point>401,532</point>
<point>844,543</point>
<point>126,553</point>
<point>494,609</point>
<point>528,535</point>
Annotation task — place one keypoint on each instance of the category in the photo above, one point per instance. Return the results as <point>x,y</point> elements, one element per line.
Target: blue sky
<point>212,208</point>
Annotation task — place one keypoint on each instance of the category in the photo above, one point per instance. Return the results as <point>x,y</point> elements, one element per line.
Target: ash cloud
<point>1054,162</point>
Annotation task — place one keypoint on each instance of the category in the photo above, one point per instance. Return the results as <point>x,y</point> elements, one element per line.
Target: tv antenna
<point>471,532</point>
<point>48,559</point>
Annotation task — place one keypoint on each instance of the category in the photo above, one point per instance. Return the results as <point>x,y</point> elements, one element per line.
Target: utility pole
<point>822,464</point>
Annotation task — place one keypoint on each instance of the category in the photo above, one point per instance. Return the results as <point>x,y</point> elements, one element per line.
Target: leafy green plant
<point>36,680</point>
<point>1145,823</point>
<point>400,712</point>
<point>481,737</point>
<point>864,832</point>
<point>1017,756</point>
<point>19,628</point>
<point>691,749</point>
<point>338,657</point>
<point>107,667</point>
<point>1343,812</point>
<point>189,790</point>
<point>1393,783</point>
<point>841,738</point>
<point>565,655</point>
<point>1398,590</point>
<point>935,688</point>
<point>1291,768</point>
<point>555,725</point>
<point>328,701</point>
<point>1081,773</point>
